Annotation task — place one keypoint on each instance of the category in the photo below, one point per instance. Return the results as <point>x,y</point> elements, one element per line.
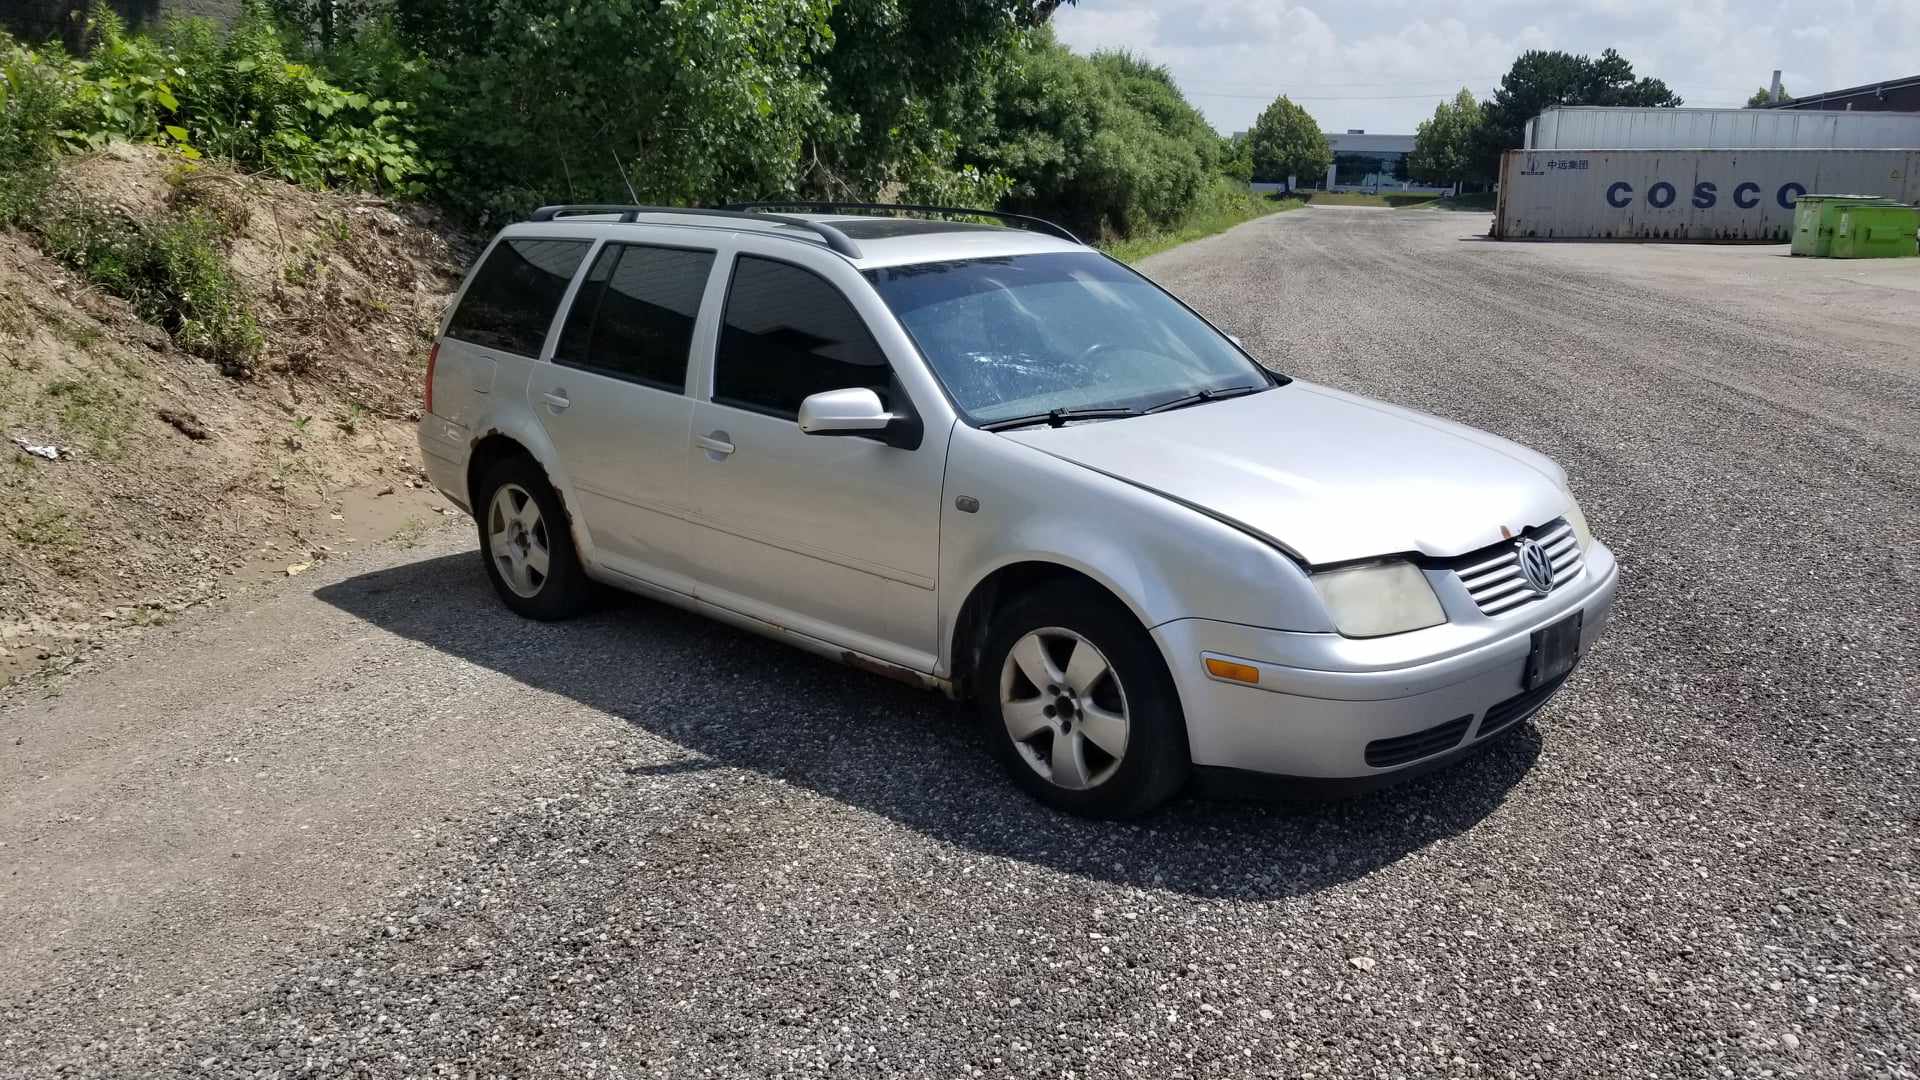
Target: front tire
<point>527,545</point>
<point>1079,706</point>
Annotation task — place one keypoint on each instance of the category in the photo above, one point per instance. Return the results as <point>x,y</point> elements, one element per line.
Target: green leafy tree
<point>907,83</point>
<point>1763,97</point>
<point>1286,141</point>
<point>1541,80</point>
<point>1105,144</point>
<point>1185,148</point>
<point>1445,148</point>
<point>699,100</point>
<point>525,101</point>
<point>876,97</point>
<point>329,22</point>
<point>493,106</point>
<point>1236,157</point>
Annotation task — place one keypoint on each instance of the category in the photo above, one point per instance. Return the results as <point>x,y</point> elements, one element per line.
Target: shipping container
<point>1592,127</point>
<point>1706,195</point>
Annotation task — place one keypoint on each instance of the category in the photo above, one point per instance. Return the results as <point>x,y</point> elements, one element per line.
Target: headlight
<point>1378,598</point>
<point>1579,522</point>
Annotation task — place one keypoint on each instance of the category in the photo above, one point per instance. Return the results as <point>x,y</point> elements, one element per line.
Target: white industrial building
<point>1362,161</point>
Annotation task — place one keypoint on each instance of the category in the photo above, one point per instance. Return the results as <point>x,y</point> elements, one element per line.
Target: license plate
<point>1556,649</point>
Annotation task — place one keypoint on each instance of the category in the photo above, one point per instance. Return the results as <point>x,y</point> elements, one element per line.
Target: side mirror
<point>855,411</point>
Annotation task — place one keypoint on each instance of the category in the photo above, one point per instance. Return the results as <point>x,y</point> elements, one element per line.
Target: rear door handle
<point>557,400</point>
<point>715,444</point>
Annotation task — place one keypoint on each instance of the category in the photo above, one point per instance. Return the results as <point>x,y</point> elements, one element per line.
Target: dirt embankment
<point>169,481</point>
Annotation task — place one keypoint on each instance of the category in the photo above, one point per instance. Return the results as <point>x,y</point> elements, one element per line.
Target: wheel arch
<point>496,446</point>
<point>992,592</point>
<point>487,451</point>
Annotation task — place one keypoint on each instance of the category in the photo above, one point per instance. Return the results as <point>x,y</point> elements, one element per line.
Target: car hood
<point>1329,476</point>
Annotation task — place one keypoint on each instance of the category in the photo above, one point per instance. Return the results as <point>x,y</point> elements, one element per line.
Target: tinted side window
<point>512,298</point>
<point>577,332</point>
<point>633,316</point>
<point>788,334</point>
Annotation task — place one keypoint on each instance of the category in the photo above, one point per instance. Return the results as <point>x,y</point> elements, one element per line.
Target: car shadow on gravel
<point>734,700</point>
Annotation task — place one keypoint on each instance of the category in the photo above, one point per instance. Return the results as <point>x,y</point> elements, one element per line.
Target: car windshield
<point>1025,335</point>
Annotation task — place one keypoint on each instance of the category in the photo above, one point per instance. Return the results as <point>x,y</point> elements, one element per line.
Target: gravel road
<point>367,823</point>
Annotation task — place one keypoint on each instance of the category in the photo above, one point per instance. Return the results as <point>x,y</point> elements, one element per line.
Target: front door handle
<point>715,444</point>
<point>557,400</point>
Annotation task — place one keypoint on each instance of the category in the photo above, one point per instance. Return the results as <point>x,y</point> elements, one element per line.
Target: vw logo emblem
<point>1535,567</point>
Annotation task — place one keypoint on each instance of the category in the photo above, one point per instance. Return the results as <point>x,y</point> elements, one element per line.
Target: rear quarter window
<point>511,300</point>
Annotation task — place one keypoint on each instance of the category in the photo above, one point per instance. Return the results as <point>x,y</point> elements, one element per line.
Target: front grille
<point>1386,753</point>
<point>1492,574</point>
<point>1518,708</point>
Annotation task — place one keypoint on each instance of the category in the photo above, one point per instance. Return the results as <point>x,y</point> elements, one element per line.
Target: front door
<point>834,536</point>
<point>614,403</point>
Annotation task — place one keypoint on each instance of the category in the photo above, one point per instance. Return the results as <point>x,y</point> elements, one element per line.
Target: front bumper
<point>1323,699</point>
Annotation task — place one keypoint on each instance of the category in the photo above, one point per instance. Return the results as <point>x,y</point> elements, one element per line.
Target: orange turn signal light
<point>1227,669</point>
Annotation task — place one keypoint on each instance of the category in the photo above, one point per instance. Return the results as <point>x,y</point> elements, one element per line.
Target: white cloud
<point>1383,65</point>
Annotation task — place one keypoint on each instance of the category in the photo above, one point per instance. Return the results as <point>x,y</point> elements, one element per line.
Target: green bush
<point>530,101</point>
<point>962,102</point>
<point>32,96</point>
<point>173,269</point>
<point>234,94</point>
<point>174,272</point>
<point>1105,144</point>
<point>244,99</point>
<point>492,107</point>
<point>124,89</point>
<point>1222,204</point>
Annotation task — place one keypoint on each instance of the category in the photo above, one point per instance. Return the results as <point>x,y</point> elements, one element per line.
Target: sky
<point>1382,65</point>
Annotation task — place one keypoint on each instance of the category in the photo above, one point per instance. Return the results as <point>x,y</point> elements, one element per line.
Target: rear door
<point>836,537</point>
<point>614,402</point>
<point>495,336</point>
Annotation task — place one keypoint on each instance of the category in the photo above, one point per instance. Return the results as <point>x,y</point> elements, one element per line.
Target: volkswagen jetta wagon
<point>996,462</point>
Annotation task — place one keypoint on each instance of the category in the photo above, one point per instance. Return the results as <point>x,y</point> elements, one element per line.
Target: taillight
<point>433,354</point>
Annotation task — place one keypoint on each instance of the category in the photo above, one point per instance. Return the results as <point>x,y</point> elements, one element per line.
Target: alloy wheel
<point>517,540</point>
<point>1064,708</point>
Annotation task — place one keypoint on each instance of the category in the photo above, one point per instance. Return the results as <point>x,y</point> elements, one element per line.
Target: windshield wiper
<point>1058,417</point>
<point>1201,396</point>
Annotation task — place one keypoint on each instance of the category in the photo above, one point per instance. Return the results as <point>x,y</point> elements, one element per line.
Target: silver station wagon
<point>994,461</point>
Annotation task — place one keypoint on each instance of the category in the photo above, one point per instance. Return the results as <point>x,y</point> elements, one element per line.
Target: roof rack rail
<point>835,239</point>
<point>1036,224</point>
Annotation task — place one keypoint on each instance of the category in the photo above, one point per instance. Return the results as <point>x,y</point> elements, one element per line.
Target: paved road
<point>369,824</point>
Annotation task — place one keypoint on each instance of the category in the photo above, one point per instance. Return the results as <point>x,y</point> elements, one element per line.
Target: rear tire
<point>1079,706</point>
<point>526,543</point>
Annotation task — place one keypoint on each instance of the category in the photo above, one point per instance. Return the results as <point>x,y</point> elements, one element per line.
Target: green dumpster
<point>1880,230</point>
<point>1815,217</point>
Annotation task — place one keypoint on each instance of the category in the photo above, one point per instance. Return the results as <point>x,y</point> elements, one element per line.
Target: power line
<point>1447,88</point>
<point>1313,97</point>
<point>1439,83</point>
<point>1411,97</point>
